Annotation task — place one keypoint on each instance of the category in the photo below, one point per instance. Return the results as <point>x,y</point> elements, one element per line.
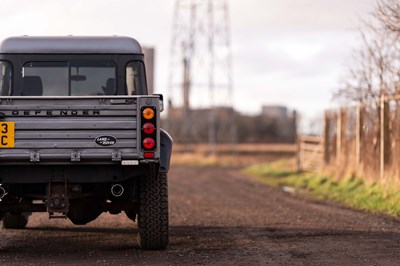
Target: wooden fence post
<point>359,134</point>
<point>341,133</point>
<point>326,137</point>
<point>338,135</point>
<point>299,155</point>
<point>386,128</point>
<point>381,138</point>
<point>385,143</point>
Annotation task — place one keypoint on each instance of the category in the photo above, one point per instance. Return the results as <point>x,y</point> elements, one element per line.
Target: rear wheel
<point>15,221</point>
<point>153,211</point>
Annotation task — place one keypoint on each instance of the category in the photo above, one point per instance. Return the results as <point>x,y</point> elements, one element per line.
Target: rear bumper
<point>67,156</point>
<point>78,173</point>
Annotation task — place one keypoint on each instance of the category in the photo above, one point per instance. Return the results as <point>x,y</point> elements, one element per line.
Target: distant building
<point>193,125</point>
<point>275,111</point>
<point>273,124</point>
<point>284,120</point>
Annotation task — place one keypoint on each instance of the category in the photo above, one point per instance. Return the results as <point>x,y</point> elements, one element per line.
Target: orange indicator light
<point>148,113</point>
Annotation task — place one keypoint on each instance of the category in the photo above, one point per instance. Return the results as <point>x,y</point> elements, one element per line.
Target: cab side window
<point>134,77</point>
<point>5,78</point>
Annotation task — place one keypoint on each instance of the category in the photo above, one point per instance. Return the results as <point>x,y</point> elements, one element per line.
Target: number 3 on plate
<point>7,135</point>
<point>4,128</point>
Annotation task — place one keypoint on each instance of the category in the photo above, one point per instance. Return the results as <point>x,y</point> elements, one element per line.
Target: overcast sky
<point>289,52</point>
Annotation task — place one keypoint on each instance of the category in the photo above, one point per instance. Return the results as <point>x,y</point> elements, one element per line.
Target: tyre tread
<point>153,211</point>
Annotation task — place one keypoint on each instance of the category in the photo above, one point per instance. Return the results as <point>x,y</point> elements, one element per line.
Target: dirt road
<point>217,217</point>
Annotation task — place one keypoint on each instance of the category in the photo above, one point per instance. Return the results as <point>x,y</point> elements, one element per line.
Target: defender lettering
<point>57,113</point>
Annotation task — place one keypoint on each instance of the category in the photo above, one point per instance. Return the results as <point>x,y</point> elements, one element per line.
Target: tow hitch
<point>57,199</point>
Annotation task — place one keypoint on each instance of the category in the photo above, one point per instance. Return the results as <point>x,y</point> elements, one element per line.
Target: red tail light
<point>148,143</point>
<point>148,128</point>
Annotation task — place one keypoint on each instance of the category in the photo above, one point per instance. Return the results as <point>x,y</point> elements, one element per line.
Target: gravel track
<point>217,217</point>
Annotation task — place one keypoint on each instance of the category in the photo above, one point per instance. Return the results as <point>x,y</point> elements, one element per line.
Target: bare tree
<point>367,79</point>
<point>388,14</point>
<point>376,69</point>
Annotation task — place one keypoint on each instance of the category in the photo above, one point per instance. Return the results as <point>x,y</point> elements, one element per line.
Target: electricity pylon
<point>200,71</point>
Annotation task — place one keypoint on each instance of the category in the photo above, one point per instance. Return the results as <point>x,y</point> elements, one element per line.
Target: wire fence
<point>362,140</point>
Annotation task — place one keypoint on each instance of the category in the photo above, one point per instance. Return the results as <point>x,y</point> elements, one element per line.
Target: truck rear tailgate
<point>71,129</point>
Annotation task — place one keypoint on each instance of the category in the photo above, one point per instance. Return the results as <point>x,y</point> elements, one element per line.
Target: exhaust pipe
<point>117,190</point>
<point>3,192</point>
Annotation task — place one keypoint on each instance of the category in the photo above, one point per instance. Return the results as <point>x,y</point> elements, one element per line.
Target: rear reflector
<point>148,155</point>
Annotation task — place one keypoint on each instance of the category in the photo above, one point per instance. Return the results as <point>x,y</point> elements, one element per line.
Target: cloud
<point>298,15</point>
<point>294,56</point>
<point>89,17</point>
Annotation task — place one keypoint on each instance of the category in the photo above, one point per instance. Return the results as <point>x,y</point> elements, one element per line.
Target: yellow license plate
<point>7,130</point>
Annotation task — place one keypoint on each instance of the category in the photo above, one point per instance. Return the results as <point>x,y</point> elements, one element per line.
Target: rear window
<point>68,78</point>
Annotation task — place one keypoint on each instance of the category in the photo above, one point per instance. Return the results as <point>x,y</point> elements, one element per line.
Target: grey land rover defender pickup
<point>79,134</point>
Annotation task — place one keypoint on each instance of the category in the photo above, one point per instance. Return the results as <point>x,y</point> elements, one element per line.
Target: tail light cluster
<point>149,131</point>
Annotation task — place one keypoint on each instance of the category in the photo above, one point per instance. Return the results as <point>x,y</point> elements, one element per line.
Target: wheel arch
<point>165,150</point>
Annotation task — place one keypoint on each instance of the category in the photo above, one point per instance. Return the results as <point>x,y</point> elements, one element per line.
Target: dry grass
<point>238,155</point>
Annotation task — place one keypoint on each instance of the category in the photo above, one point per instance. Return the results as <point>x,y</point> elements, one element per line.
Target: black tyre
<point>15,221</point>
<point>153,211</point>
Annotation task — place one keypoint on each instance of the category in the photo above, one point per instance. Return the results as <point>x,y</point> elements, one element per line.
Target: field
<point>237,155</point>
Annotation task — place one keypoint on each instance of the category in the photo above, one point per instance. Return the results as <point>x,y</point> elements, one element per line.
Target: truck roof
<point>70,45</point>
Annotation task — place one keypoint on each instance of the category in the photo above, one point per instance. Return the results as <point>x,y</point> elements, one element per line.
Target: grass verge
<point>350,191</point>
